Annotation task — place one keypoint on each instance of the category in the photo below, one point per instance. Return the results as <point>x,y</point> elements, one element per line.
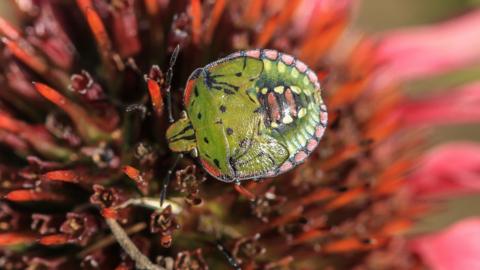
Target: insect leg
<point>139,108</point>
<point>243,191</point>
<point>135,107</point>
<point>229,256</point>
<point>166,179</point>
<point>168,81</point>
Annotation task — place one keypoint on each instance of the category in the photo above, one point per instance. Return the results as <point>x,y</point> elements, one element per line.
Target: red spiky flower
<point>83,150</point>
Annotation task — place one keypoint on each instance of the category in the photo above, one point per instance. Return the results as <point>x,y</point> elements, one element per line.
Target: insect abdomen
<point>289,94</point>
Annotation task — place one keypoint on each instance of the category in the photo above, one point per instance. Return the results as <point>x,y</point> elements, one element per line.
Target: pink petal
<point>457,248</point>
<point>460,105</point>
<point>423,51</point>
<point>309,10</point>
<point>449,169</point>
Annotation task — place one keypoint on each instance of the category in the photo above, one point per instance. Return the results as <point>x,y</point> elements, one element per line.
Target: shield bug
<point>252,114</point>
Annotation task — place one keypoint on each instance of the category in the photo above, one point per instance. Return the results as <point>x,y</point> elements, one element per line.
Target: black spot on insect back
<point>205,140</point>
<point>199,116</point>
<point>229,131</point>
<point>217,163</point>
<point>223,108</point>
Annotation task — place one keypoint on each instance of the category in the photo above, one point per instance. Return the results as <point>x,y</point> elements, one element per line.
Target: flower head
<point>79,227</point>
<point>164,223</point>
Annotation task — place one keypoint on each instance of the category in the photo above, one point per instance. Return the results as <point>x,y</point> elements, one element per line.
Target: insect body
<point>252,114</point>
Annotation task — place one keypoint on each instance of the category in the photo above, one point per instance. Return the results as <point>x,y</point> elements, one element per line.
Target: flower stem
<point>152,203</point>
<point>110,240</point>
<point>142,262</point>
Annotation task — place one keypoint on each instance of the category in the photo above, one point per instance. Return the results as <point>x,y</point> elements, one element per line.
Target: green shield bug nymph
<point>252,114</point>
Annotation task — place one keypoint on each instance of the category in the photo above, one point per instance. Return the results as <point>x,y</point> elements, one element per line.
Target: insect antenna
<point>168,86</point>
<point>231,260</point>
<point>168,82</point>
<point>166,179</point>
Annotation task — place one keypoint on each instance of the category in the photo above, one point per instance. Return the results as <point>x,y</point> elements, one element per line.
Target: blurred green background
<point>382,15</point>
<point>375,16</point>
<point>378,15</point>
